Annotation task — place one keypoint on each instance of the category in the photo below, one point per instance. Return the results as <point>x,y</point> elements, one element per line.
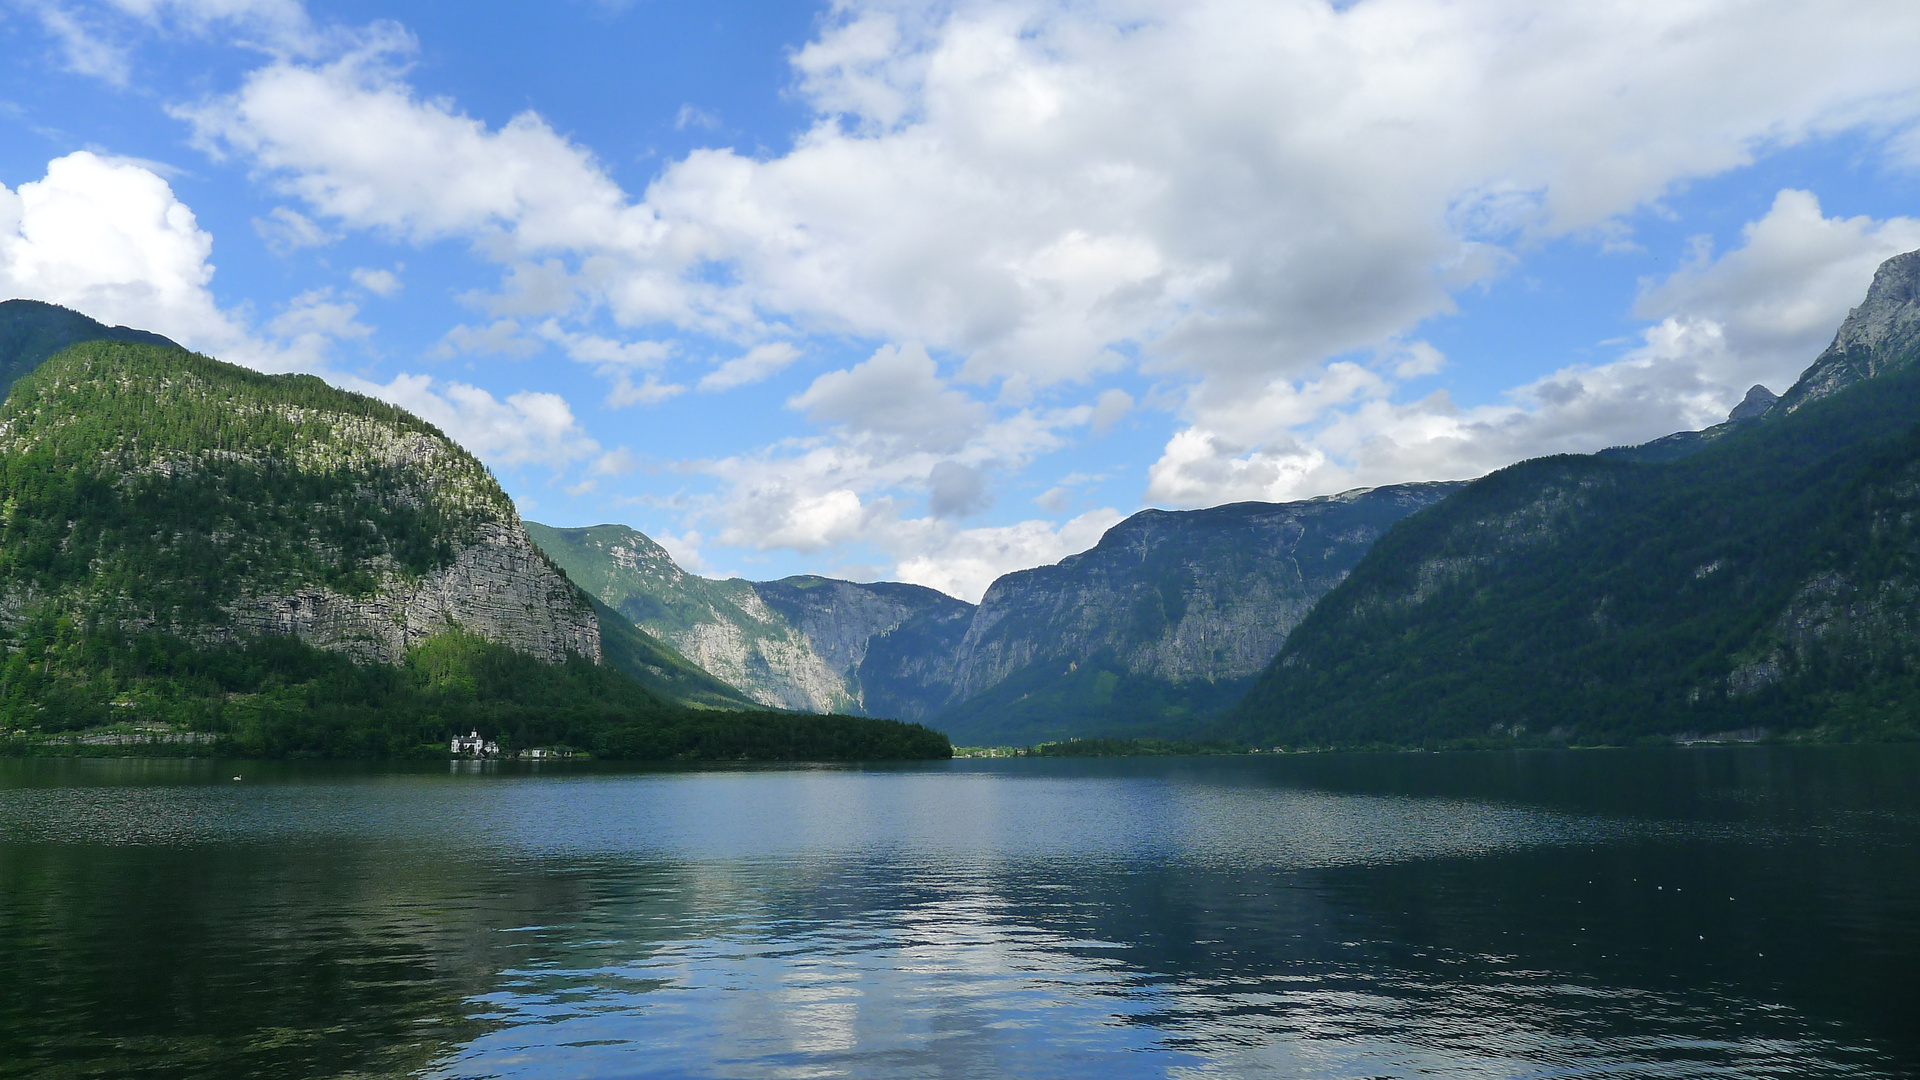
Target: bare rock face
<point>1882,334</point>
<point>1758,402</point>
<point>497,587</point>
<point>798,643</point>
<point>1168,599</point>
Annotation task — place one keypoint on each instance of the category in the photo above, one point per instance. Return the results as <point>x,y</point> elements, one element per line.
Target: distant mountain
<point>32,331</point>
<point>797,643</point>
<point>1164,623</point>
<point>1158,628</point>
<point>305,570</point>
<point>1764,576</point>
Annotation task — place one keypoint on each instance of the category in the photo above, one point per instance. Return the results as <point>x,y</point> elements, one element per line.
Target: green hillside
<point>31,331</point>
<point>1768,579</point>
<point>192,546</point>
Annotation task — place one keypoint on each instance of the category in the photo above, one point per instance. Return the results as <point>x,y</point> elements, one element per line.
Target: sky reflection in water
<point>1719,913</point>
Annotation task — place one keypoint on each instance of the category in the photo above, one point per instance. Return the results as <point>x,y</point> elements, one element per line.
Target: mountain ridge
<point>293,569</point>
<point>1188,606</point>
<point>1759,578</point>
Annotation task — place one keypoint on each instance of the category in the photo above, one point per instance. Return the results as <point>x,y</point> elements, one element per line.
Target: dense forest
<point>1766,581</point>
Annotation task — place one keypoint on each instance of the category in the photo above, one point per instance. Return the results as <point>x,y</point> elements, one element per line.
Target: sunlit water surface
<point>1750,912</point>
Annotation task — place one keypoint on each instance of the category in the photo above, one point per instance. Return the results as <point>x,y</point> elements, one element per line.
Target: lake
<point>1706,912</point>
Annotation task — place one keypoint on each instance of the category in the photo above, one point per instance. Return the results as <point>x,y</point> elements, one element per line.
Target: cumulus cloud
<point>1224,183</point>
<point>897,395</point>
<point>108,238</point>
<point>963,562</point>
<point>527,428</point>
<point>1759,313</point>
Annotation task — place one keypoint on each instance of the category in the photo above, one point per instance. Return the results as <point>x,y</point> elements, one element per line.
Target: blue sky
<point>938,291</point>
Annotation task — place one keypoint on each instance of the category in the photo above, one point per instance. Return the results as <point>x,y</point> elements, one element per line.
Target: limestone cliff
<point>1157,628</point>
<point>798,643</point>
<point>1164,622</point>
<point>154,489</point>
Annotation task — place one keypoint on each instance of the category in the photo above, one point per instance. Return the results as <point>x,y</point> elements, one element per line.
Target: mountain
<point>1157,629</point>
<point>31,331</point>
<point>1765,577</point>
<point>1161,625</point>
<point>797,643</point>
<point>306,570</point>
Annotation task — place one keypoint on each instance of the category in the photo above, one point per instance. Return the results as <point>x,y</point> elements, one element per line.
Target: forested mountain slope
<point>1769,578</point>
<point>31,331</point>
<point>188,543</point>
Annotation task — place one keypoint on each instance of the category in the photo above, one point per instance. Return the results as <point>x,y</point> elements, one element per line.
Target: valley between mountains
<point>191,549</point>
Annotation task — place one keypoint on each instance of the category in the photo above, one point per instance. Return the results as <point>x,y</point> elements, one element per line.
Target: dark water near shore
<point>1735,912</point>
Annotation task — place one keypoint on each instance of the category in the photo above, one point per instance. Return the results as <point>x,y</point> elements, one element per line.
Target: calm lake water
<point>1736,912</point>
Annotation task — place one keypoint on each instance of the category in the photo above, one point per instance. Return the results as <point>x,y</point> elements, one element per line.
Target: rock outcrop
<point>1877,337</point>
<point>1158,627</point>
<point>497,587</point>
<point>798,643</point>
<point>157,490</point>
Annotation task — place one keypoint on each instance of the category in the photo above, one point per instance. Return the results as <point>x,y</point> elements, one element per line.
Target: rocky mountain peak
<point>1878,336</point>
<point>1757,403</point>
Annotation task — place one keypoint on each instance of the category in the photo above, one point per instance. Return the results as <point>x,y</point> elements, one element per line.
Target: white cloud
<point>109,239</point>
<point>1223,183</point>
<point>648,391</point>
<point>1757,314</point>
<point>502,337</point>
<point>382,283</point>
<point>84,49</point>
<point>896,395</point>
<point>963,562</point>
<point>694,116</point>
<point>317,316</point>
<point>1112,406</point>
<point>759,363</point>
<point>287,230</point>
<point>358,146</point>
<point>96,37</point>
<point>526,429</point>
<point>615,462</point>
<point>956,491</point>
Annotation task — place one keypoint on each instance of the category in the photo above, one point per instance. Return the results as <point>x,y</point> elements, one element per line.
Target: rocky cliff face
<point>1162,623</point>
<point>1877,337</point>
<point>158,490</point>
<point>497,586</point>
<point>1156,628</point>
<point>799,643</point>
